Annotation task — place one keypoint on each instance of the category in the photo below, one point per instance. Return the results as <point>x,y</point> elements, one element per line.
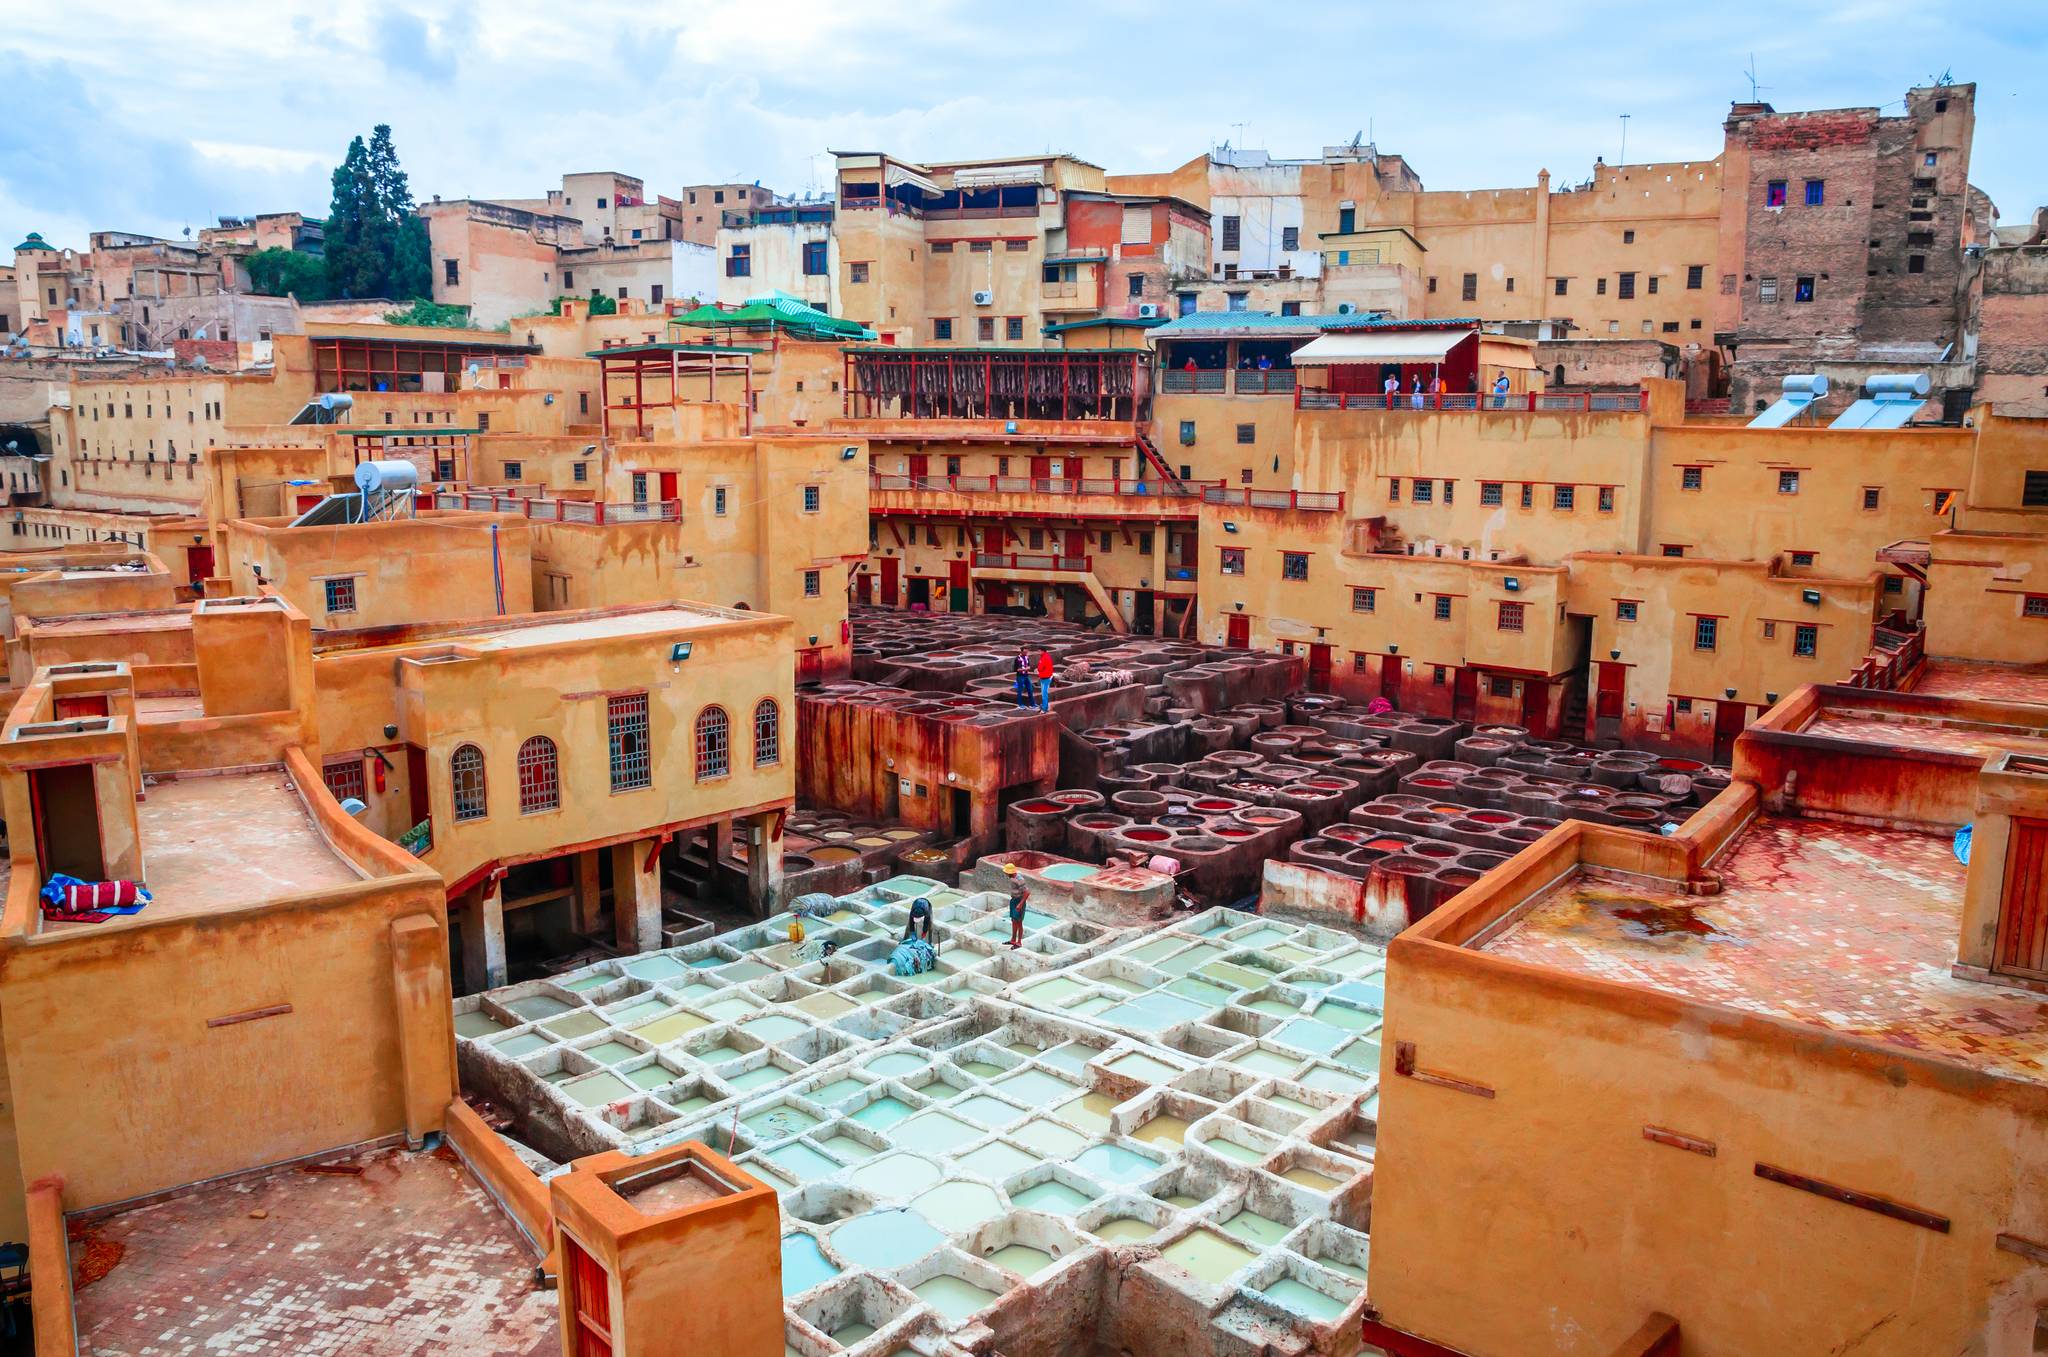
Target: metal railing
<point>1200,382</point>
<point>1266,382</point>
<point>1031,560</point>
<point>1039,485</point>
<point>1584,402</point>
<point>1312,501</point>
<point>565,510</point>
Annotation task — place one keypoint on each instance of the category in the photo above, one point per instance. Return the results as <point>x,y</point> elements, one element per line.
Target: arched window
<point>767,733</point>
<point>714,743</point>
<point>467,767</point>
<point>1558,377</point>
<point>540,781</point>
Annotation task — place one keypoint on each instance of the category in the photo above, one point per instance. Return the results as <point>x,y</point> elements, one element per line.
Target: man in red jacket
<point>1045,680</point>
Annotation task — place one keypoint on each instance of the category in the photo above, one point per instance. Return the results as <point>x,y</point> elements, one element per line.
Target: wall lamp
<point>1511,584</point>
<point>1228,526</point>
<point>847,454</point>
<point>1614,654</point>
<point>1393,650</point>
<point>1771,698</point>
<point>1730,692</point>
<point>1810,597</point>
<point>679,652</point>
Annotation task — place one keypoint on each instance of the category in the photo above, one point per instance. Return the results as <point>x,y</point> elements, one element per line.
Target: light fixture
<point>679,652</point>
<point>1771,698</point>
<point>1228,526</point>
<point>1614,654</point>
<point>814,640</point>
<point>1811,597</point>
<point>390,732</point>
<point>1009,426</point>
<point>1730,692</point>
<point>1393,650</point>
<point>1238,606</point>
<point>847,454</point>
<point>1511,584</point>
<point>589,449</point>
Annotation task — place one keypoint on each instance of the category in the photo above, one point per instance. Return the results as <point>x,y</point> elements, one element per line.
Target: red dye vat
<point>1040,807</point>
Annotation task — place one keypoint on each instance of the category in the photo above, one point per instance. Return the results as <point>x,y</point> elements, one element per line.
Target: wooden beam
<point>1849,1196</point>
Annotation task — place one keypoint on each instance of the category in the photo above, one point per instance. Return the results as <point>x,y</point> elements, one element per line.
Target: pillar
<point>483,939</point>
<point>426,1036</point>
<point>764,861</point>
<point>1159,544</point>
<point>636,895</point>
<point>589,903</point>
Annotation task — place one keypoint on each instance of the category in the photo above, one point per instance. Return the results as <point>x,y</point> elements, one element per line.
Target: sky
<point>157,115</point>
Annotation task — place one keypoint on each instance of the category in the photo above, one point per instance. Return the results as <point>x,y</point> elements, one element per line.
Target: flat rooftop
<point>1836,926</point>
<point>600,627</point>
<point>101,624</point>
<point>1989,682</point>
<point>1979,739</point>
<point>217,843</point>
<point>384,1252</point>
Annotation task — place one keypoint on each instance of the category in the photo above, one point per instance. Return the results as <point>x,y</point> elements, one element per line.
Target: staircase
<point>1149,454</point>
<point>1571,721</point>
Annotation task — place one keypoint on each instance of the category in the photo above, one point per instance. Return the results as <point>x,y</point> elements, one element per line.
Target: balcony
<point>566,510</point>
<point>1219,381</point>
<point>1033,560</point>
<point>1307,501</point>
<point>1594,402</point>
<point>1030,485</point>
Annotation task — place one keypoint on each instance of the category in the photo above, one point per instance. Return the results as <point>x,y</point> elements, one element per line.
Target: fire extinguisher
<point>379,768</point>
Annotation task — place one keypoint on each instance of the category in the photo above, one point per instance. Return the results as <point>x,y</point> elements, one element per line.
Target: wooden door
<point>1041,468</point>
<point>668,487</point>
<point>1729,719</point>
<point>956,585</point>
<point>1142,613</point>
<point>1239,633</point>
<point>864,587</point>
<point>1608,699</point>
<point>198,566</point>
<point>1077,543</point>
<point>1318,668</point>
<point>66,816</point>
<point>918,464</point>
<point>2023,907</point>
<point>81,706</point>
<point>1390,679</point>
<point>1536,709</point>
<point>421,805</point>
<point>589,1296</point>
<point>890,565</point>
<point>1465,694</point>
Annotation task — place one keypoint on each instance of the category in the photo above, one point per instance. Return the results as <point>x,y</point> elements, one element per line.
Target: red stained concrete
<point>1994,682</point>
<point>1840,927</point>
<point>1955,737</point>
<point>408,1257</point>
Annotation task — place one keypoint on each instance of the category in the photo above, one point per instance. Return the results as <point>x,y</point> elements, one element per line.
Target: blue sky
<point>154,115</point>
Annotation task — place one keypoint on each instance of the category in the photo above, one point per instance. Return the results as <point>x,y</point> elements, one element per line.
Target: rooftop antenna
<point>1755,90</point>
<point>1624,138</point>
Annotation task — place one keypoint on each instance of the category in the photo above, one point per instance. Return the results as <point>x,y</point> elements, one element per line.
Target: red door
<point>1464,694</point>
<point>1390,679</point>
<point>198,566</point>
<point>1041,468</point>
<point>1239,634</point>
<point>84,705</point>
<point>957,586</point>
<point>864,587</point>
<point>919,464</point>
<point>1608,700</point>
<point>2023,911</point>
<point>590,1299</point>
<point>668,487</point>
<point>1077,543</point>
<point>416,783</point>
<point>996,593</point>
<point>1729,719</point>
<point>1536,708</point>
<point>306,502</point>
<point>890,565</point>
<point>1318,668</point>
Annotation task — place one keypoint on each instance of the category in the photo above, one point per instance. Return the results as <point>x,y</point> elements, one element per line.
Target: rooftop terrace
<point>1833,925</point>
<point>1991,682</point>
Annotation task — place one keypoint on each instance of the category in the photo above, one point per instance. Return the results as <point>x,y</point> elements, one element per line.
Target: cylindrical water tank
<point>337,400</point>
<point>386,478</point>
<point>1812,384</point>
<point>1899,384</point>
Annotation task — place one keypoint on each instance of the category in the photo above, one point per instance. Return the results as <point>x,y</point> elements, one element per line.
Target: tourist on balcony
<point>1045,680</point>
<point>1500,392</point>
<point>1265,363</point>
<point>1392,391</point>
<point>1024,668</point>
<point>1415,393</point>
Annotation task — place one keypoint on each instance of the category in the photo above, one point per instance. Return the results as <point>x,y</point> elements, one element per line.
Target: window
<point>814,258</point>
<point>1290,237</point>
<point>626,725</point>
<point>1489,493</point>
<point>1439,676</point>
<point>1894,584</point>
<point>1236,301</point>
<point>1510,617</point>
<point>1625,610</point>
<point>1528,495</point>
<point>1290,308</point>
<point>2034,490</point>
<point>1562,497</point>
<point>1364,600</point>
<point>580,473</point>
<point>718,501</point>
<point>344,777</point>
<point>653,289</point>
<point>1605,501</point>
<point>341,595</point>
<point>1561,286</point>
<point>1394,490</point>
<point>514,471</point>
<point>1625,286</point>
<point>740,263</point>
<point>942,328</point>
<point>1816,192</point>
<point>942,247</point>
<point>568,278</point>
<point>1805,640</point>
<point>1471,288</point>
<point>466,774</point>
<point>1450,491</point>
<point>639,486</point>
<point>1767,289</point>
<point>1788,482</point>
<point>1013,328</point>
<point>1654,280</point>
<point>1233,560</point>
<point>811,584</point>
<point>2034,605</point>
<point>540,780</point>
<point>1804,558</point>
<point>1247,433</point>
<point>1016,246</point>
<point>1774,193</point>
<point>1770,631</point>
<point>985,329</point>
<point>980,246</point>
<point>1425,491</point>
<point>1293,565</point>
<point>1511,284</point>
<point>1944,500</point>
<point>1599,287</point>
<point>1137,285</point>
<point>1690,477</point>
<point>1916,263</point>
<point>1441,608</point>
<point>1695,277</point>
<point>451,272</point>
<point>1705,632</point>
<point>601,204</point>
<point>857,272</point>
<point>1231,227</point>
<point>812,499</point>
<point>1432,282</point>
<point>1802,288</point>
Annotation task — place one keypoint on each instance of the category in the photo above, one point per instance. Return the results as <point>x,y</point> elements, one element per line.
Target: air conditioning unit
<point>1346,308</point>
<point>984,299</point>
<point>1148,310</point>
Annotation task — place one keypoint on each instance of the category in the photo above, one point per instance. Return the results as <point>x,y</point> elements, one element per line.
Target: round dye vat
<point>830,853</point>
<point>1492,817</point>
<point>1232,832</point>
<point>1681,765</point>
<point>1149,835</point>
<point>1069,871</point>
<point>1212,805</point>
<point>1435,850</point>
<point>1384,845</point>
<point>1040,807</point>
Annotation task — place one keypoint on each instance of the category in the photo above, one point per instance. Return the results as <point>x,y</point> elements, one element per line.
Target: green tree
<point>440,315</point>
<point>411,258</point>
<point>601,305</point>
<point>376,244</point>
<point>281,273</point>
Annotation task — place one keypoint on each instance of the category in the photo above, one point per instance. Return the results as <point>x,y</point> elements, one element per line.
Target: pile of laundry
<point>912,957</point>
<point>67,900</point>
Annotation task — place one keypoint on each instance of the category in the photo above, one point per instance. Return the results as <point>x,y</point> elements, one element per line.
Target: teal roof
<point>777,310</point>
<point>1206,324</point>
<point>1104,322</point>
<point>35,241</point>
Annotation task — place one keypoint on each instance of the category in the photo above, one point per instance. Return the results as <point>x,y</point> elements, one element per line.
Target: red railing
<point>1039,485</point>
<point>1031,560</point>
<point>1313,501</point>
<point>566,510</point>
<point>1583,402</point>
<point>1886,667</point>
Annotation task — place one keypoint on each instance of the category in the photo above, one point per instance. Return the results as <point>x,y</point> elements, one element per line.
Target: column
<point>636,895</point>
<point>764,862</point>
<point>589,903</point>
<point>483,939</point>
<point>1159,554</point>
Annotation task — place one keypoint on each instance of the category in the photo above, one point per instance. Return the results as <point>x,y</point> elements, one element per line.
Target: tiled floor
<point>1991,682</point>
<point>1954,737</point>
<point>408,1257</point>
<point>1846,928</point>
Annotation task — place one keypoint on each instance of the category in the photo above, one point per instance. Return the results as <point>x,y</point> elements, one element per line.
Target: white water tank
<point>386,478</point>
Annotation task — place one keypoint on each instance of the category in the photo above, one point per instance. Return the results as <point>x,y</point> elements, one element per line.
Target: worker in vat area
<point>1024,668</point>
<point>1020,894</point>
<point>1045,680</point>
<point>921,928</point>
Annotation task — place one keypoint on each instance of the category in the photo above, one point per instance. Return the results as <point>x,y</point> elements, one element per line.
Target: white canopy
<point>1376,346</point>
